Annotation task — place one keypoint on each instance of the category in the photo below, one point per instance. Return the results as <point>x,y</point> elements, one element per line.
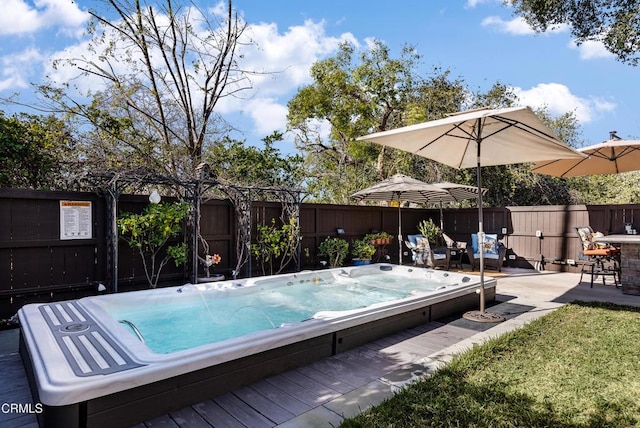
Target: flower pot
<point>213,278</point>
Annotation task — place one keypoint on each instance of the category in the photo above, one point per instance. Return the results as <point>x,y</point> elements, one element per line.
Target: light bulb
<point>154,197</point>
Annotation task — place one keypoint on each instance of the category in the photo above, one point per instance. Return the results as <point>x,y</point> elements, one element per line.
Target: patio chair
<point>494,252</point>
<point>422,253</point>
<point>598,259</point>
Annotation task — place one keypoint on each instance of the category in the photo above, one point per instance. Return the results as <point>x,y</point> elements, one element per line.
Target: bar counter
<point>629,260</point>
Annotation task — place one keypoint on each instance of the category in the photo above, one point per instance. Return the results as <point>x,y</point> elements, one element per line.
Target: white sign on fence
<point>75,220</point>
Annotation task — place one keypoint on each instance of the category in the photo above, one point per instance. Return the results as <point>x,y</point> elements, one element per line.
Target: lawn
<point>577,367</point>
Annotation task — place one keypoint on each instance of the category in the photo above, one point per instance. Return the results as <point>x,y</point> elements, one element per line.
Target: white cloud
<point>559,100</point>
<point>284,61</point>
<point>17,68</point>
<point>286,58</point>
<point>591,50</point>
<point>18,17</point>
<point>267,115</point>
<point>470,4</point>
<point>517,26</point>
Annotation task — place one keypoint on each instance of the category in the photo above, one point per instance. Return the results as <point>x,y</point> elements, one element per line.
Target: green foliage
<point>273,243</point>
<point>235,162</point>
<point>362,249</point>
<point>614,23</point>
<point>431,231</point>
<point>334,249</point>
<point>606,189</point>
<point>149,232</point>
<point>32,149</point>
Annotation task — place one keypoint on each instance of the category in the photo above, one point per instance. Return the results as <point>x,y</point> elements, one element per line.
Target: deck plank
<point>216,415</point>
<point>324,392</point>
<point>247,415</point>
<point>292,388</point>
<point>164,421</point>
<point>325,379</point>
<point>14,388</point>
<point>277,395</point>
<point>350,373</point>
<point>270,409</point>
<point>189,418</point>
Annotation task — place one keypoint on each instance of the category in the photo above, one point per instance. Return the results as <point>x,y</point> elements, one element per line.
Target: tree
<point>358,95</point>
<point>237,163</point>
<point>32,149</point>
<point>615,23</point>
<point>149,232</point>
<point>163,69</point>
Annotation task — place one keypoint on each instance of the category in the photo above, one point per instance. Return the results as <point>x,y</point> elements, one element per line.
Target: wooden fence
<point>36,265</point>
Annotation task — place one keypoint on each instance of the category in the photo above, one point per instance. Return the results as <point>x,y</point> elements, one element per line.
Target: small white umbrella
<point>479,138</point>
<point>401,188</point>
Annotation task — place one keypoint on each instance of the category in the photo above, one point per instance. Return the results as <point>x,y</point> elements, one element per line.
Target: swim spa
<point>119,359</point>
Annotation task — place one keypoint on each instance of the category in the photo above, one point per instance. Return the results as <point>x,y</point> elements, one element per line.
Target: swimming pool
<point>119,359</point>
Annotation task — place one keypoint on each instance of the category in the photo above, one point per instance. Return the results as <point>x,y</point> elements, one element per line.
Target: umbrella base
<point>479,316</point>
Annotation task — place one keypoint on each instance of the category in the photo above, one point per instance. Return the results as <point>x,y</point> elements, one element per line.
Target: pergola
<point>113,184</point>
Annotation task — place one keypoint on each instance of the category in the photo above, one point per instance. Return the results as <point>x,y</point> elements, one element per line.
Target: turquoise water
<point>196,318</point>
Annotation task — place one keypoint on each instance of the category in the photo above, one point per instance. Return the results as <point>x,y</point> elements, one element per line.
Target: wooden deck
<point>14,390</point>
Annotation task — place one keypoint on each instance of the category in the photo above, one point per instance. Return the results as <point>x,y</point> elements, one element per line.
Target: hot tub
<point>119,359</point>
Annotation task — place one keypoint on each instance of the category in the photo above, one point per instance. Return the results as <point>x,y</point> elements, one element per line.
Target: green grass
<point>577,367</point>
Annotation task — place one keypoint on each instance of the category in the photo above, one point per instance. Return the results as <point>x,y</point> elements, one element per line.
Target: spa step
<point>87,348</point>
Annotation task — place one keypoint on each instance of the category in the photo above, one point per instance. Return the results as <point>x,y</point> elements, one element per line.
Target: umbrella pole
<point>399,233</point>
<point>441,219</point>
<point>481,315</point>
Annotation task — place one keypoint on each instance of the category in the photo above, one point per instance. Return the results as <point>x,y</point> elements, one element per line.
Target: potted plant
<point>385,237</point>
<point>362,250</point>
<point>430,231</point>
<point>334,249</point>
<point>208,261</point>
<point>379,238</point>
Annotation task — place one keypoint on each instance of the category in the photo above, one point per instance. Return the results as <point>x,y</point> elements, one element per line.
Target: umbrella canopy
<point>455,193</point>
<point>401,188</point>
<point>610,157</point>
<point>476,138</point>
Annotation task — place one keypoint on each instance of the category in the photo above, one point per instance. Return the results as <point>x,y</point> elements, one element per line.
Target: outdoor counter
<point>629,260</point>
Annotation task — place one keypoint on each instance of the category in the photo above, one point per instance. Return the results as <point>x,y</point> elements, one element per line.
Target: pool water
<point>199,317</point>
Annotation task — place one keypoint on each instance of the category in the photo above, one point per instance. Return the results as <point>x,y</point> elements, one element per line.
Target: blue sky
<point>480,41</point>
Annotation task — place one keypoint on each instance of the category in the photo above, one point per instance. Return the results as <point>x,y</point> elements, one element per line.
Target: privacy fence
<point>53,245</point>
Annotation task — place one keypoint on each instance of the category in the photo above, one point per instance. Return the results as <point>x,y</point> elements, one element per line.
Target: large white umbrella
<point>476,138</point>
<point>400,187</point>
<point>610,157</point>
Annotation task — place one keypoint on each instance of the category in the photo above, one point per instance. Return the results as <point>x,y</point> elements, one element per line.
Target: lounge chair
<point>598,259</point>
<point>494,252</point>
<point>422,253</point>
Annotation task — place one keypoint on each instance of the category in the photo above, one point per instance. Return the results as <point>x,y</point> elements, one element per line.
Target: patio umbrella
<point>610,157</point>
<point>478,138</point>
<point>401,188</point>
<point>455,193</point>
